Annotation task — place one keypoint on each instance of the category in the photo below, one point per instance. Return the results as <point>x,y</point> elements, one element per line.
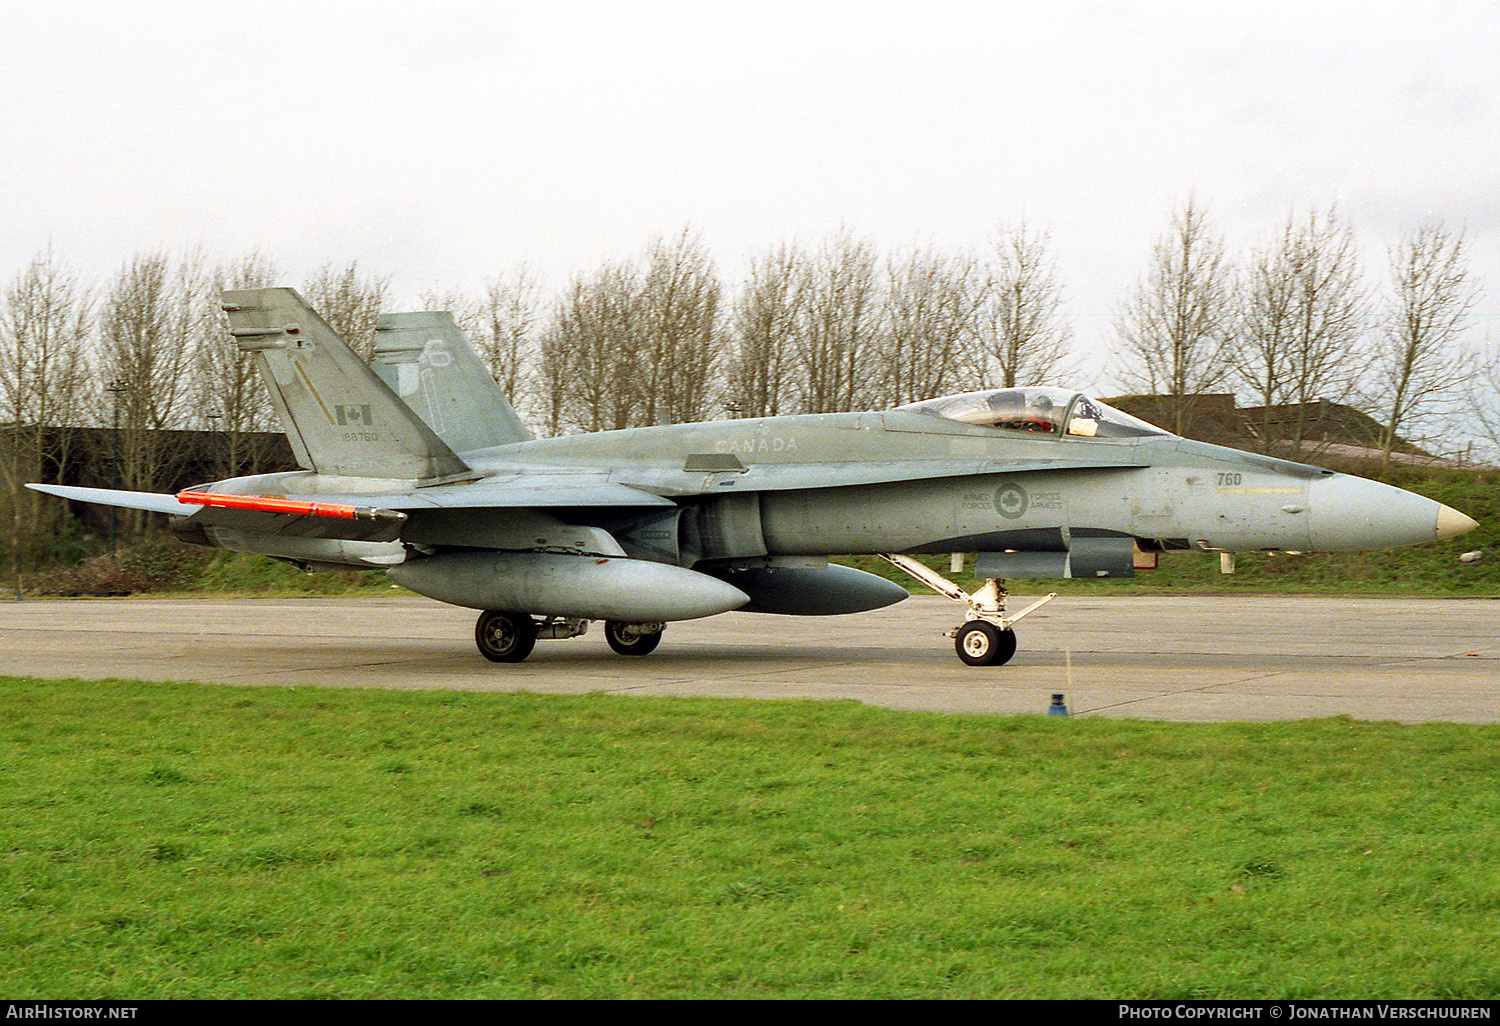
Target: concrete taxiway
<point>1171,658</point>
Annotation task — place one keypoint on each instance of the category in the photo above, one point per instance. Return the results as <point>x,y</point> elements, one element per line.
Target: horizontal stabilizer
<point>152,501</point>
<point>259,513</point>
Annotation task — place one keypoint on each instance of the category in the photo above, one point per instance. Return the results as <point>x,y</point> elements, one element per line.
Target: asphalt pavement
<point>1202,658</point>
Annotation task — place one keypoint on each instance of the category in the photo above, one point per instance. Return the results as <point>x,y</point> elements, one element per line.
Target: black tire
<point>983,644</point>
<point>630,643</point>
<point>505,637</point>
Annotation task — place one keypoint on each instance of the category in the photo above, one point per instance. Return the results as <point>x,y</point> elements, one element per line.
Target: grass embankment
<point>166,841</point>
<point>164,565</point>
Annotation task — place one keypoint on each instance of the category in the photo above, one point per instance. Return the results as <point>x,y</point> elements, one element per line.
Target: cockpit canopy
<point>1048,411</point>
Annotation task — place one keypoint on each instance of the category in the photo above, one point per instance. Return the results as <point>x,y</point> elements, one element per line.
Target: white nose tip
<point>1451,523</point>
<point>1348,513</point>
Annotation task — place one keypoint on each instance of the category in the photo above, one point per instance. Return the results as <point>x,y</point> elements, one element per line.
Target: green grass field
<point>179,840</point>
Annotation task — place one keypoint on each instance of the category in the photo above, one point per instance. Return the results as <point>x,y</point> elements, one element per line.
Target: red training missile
<point>290,507</point>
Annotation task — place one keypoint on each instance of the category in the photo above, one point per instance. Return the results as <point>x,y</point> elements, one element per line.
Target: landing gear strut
<point>985,637</point>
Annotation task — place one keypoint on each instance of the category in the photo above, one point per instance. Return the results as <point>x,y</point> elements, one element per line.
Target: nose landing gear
<point>985,637</point>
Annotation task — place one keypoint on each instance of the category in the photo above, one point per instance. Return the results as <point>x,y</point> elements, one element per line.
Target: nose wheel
<point>980,643</point>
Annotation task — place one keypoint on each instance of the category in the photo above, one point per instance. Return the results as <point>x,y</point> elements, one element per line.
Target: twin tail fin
<point>427,361</point>
<point>339,416</point>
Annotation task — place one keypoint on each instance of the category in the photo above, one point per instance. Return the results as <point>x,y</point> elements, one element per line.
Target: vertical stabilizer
<point>427,361</point>
<point>339,416</point>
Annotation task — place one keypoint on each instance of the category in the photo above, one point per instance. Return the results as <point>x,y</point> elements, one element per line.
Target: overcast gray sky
<point>443,142</point>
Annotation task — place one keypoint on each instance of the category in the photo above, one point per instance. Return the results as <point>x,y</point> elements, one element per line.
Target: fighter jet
<point>416,464</point>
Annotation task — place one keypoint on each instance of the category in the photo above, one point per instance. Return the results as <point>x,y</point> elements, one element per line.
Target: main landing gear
<point>505,637</point>
<point>633,639</point>
<point>985,638</point>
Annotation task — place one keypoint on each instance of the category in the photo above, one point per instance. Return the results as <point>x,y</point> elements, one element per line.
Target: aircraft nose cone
<point>1451,523</point>
<point>1349,513</point>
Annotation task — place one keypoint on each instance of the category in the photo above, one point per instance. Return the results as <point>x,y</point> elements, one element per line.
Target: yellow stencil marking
<point>308,382</point>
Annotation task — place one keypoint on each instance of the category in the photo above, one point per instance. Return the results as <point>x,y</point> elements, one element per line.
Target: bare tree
<point>628,347</point>
<point>839,320</point>
<point>764,327</point>
<point>154,319</point>
<point>928,326</point>
<point>1302,316</point>
<point>1023,339</point>
<point>679,331</point>
<point>44,386</point>
<point>552,373</point>
<point>468,312</point>
<point>1176,333</point>
<point>349,303</point>
<point>512,321</point>
<point>1482,394</point>
<point>588,372</point>
<point>233,400</point>
<point>1416,364</point>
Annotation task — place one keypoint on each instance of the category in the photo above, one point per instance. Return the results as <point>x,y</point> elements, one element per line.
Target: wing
<point>525,500</point>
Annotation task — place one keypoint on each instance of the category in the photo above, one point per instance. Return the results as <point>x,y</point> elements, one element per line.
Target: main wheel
<point>983,644</point>
<point>626,640</point>
<point>505,637</point>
